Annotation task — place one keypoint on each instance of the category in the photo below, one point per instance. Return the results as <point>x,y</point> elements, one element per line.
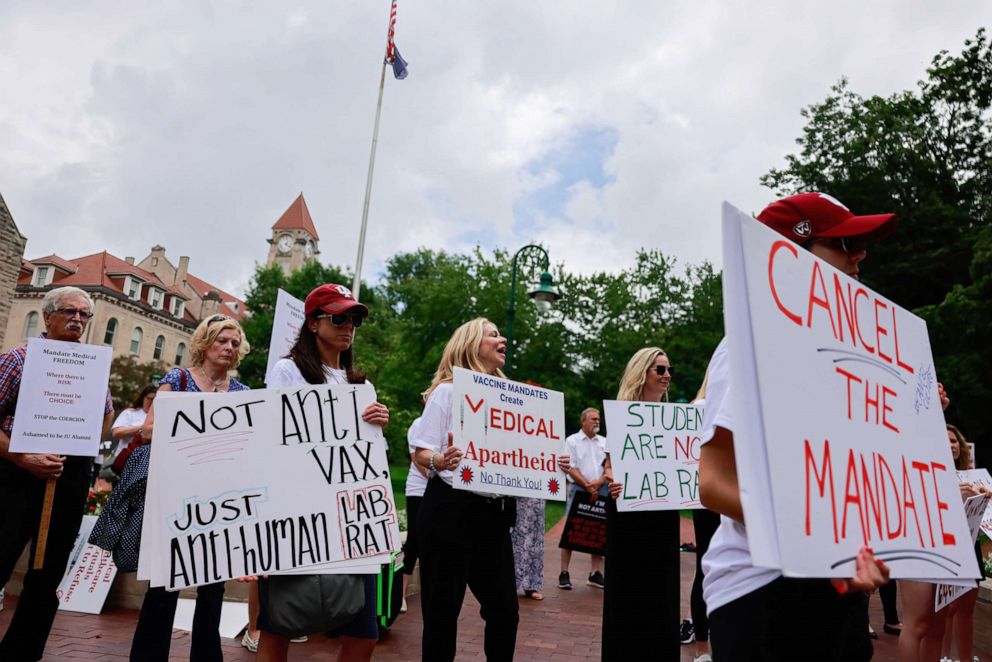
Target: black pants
<point>411,548</point>
<point>20,514</point>
<point>641,598</point>
<point>704,524</point>
<point>153,635</point>
<point>465,541</point>
<point>887,592</point>
<point>792,619</point>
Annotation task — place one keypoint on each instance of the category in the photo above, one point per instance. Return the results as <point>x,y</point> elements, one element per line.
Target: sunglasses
<point>848,245</point>
<point>340,319</point>
<point>72,312</point>
<point>218,318</point>
<point>662,369</point>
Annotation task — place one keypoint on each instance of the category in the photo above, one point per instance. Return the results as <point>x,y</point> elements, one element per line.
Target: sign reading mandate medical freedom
<point>511,435</point>
<point>265,482</point>
<point>61,400</point>
<point>838,431</point>
<point>654,450</point>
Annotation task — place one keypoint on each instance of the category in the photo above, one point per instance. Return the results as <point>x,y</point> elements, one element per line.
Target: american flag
<point>392,54</point>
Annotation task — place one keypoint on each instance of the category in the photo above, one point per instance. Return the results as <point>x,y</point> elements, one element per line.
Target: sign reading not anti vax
<point>511,435</point>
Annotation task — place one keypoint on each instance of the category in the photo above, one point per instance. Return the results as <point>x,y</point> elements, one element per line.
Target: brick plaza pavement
<point>565,626</point>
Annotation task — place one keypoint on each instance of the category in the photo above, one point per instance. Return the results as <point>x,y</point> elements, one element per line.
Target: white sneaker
<point>403,607</point>
<point>705,657</point>
<point>300,640</point>
<point>249,643</point>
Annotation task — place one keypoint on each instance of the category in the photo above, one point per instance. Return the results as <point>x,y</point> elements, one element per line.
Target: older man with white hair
<point>66,311</point>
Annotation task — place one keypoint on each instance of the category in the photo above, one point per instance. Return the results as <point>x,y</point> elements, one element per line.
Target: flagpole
<point>356,286</point>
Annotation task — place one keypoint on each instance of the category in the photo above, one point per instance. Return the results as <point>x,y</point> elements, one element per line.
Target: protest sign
<point>265,482</point>
<point>585,525</point>
<point>838,432</point>
<point>654,451</point>
<point>980,477</point>
<point>89,574</point>
<point>511,435</point>
<point>286,322</point>
<point>61,400</point>
<point>974,508</point>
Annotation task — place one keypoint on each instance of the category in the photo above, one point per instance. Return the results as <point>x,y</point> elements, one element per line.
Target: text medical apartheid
<point>265,482</point>
<point>654,451</point>
<point>511,435</point>
<point>845,400</point>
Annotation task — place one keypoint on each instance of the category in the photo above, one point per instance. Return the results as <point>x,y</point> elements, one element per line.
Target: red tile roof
<point>56,261</point>
<point>297,217</point>
<point>202,287</point>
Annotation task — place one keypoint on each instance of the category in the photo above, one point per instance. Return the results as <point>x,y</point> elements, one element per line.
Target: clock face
<point>309,249</point>
<point>285,243</point>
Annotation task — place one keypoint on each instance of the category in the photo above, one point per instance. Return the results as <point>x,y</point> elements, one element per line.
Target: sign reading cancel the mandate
<point>511,435</point>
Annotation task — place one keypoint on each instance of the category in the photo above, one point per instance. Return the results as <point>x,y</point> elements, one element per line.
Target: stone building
<point>294,238</point>
<point>12,244</point>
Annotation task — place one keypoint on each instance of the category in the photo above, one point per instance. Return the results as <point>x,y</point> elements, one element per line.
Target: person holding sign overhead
<point>216,348</point>
<point>323,354</point>
<point>464,537</point>
<point>756,613</point>
<point>641,597</point>
<point>66,311</point>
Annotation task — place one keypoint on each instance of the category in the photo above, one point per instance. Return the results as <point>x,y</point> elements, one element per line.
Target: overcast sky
<point>593,127</point>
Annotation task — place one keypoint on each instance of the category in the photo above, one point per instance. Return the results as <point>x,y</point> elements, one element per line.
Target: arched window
<point>180,353</point>
<point>111,333</point>
<point>136,340</point>
<point>31,326</point>
<point>159,346</point>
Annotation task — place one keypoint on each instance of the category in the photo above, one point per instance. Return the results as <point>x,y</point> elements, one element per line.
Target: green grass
<point>553,511</point>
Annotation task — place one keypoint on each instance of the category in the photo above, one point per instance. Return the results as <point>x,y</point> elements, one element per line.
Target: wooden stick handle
<point>46,519</point>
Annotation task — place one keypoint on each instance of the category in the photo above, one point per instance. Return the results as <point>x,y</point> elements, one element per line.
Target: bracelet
<point>430,465</point>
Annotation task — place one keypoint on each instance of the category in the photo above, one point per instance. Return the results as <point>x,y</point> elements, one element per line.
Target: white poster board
<point>265,482</point>
<point>287,320</point>
<point>980,477</point>
<point>654,451</point>
<point>511,435</point>
<point>62,397</point>
<point>839,436</point>
<point>89,574</point>
<point>974,508</point>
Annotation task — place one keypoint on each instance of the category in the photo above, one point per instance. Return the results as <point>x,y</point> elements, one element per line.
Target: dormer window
<point>233,305</point>
<point>155,298</point>
<point>133,288</point>
<point>42,276</point>
<point>178,307</point>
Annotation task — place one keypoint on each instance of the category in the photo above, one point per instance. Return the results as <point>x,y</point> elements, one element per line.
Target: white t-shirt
<point>727,567</point>
<point>127,418</point>
<point>285,374</point>
<point>435,424</point>
<point>586,454</point>
<point>416,482</point>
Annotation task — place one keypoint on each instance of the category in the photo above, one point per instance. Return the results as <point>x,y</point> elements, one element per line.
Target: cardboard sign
<point>585,525</point>
<point>838,431</point>
<point>89,574</point>
<point>289,317</point>
<point>61,400</point>
<point>974,508</point>
<point>654,450</point>
<point>980,477</point>
<point>265,482</point>
<point>511,435</point>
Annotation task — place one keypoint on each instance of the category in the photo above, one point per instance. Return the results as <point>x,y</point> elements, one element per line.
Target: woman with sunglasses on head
<point>216,348</point>
<point>641,596</point>
<point>323,354</point>
<point>464,537</point>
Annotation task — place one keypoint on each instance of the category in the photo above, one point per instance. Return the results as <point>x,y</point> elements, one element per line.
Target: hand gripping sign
<point>838,432</point>
<point>511,435</point>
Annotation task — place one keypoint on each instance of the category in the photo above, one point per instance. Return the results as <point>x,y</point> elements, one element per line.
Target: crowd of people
<point>494,545</point>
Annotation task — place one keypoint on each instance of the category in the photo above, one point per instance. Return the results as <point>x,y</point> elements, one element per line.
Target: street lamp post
<point>544,295</point>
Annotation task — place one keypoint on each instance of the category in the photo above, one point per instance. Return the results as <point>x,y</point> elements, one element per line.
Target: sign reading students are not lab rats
<point>286,322</point>
<point>511,435</point>
<point>265,482</point>
<point>839,436</point>
<point>654,451</point>
<point>61,400</point>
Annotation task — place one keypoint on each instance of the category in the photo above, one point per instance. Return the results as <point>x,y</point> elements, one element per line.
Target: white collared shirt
<point>586,454</point>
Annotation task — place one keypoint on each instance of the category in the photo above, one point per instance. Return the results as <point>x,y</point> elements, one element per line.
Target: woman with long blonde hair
<point>641,596</point>
<point>464,537</point>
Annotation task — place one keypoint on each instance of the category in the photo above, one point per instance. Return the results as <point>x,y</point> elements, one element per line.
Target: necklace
<point>216,384</point>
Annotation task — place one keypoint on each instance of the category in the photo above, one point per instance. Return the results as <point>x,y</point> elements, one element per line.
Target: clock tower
<point>294,238</point>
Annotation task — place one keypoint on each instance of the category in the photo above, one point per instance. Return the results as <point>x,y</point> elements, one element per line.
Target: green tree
<point>128,376</point>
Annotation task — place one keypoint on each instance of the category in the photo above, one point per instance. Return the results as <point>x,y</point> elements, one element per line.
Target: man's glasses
<point>72,312</point>
<point>662,369</point>
<point>340,319</point>
<point>848,245</point>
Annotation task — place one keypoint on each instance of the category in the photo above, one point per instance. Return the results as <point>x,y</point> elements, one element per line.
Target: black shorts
<point>363,626</point>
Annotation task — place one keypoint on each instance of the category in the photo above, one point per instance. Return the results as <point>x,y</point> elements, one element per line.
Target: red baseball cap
<point>814,215</point>
<point>333,299</point>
